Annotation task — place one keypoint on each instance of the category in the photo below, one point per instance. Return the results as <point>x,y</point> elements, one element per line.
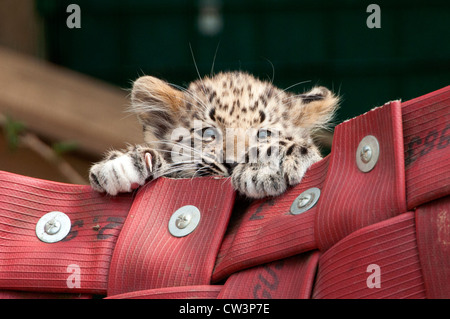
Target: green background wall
<point>323,42</point>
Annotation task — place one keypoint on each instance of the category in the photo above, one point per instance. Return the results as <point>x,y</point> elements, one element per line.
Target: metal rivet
<point>367,153</point>
<point>184,221</point>
<point>53,227</point>
<point>305,201</point>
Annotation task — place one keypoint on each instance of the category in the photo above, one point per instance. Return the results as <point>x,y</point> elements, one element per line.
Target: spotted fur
<point>280,123</point>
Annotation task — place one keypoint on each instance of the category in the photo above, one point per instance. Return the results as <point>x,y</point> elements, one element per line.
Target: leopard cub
<point>231,125</point>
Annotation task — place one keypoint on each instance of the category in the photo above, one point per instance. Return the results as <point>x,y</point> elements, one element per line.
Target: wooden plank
<point>64,105</point>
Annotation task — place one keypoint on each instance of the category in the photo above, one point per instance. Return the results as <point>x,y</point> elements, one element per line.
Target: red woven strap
<point>352,199</point>
<point>383,254</point>
<point>147,256</point>
<point>80,262</point>
<point>184,292</point>
<point>433,238</point>
<point>426,127</point>
<point>290,278</point>
<point>268,231</point>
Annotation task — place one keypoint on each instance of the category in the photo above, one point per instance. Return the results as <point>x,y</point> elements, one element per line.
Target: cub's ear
<point>156,103</point>
<point>315,108</point>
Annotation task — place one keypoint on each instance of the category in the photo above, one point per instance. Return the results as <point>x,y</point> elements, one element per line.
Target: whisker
<point>210,163</point>
<point>225,179</point>
<point>165,172</point>
<point>164,150</point>
<point>176,169</point>
<point>185,147</point>
<point>196,68</point>
<point>214,60</point>
<point>293,85</point>
<point>206,168</point>
<point>205,107</point>
<point>198,170</point>
<point>201,154</point>
<point>273,70</point>
<point>285,89</point>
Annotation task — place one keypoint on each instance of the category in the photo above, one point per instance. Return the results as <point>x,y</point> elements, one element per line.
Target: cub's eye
<point>263,134</point>
<point>208,134</point>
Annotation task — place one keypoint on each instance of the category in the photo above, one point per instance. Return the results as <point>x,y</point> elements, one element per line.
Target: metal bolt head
<point>367,153</point>
<point>184,221</point>
<point>305,201</point>
<point>52,226</point>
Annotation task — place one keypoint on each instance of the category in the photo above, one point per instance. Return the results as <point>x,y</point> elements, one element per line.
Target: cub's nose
<point>230,167</point>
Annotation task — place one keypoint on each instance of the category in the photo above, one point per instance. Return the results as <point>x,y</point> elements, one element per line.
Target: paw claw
<point>148,161</point>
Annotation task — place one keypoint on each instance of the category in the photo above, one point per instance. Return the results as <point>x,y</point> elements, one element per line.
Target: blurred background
<point>63,91</point>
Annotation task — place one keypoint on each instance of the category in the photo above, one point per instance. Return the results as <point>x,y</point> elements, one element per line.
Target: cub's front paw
<point>296,162</point>
<point>258,181</point>
<point>121,172</point>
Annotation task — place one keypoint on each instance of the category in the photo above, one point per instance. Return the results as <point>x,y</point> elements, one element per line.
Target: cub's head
<point>230,118</point>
